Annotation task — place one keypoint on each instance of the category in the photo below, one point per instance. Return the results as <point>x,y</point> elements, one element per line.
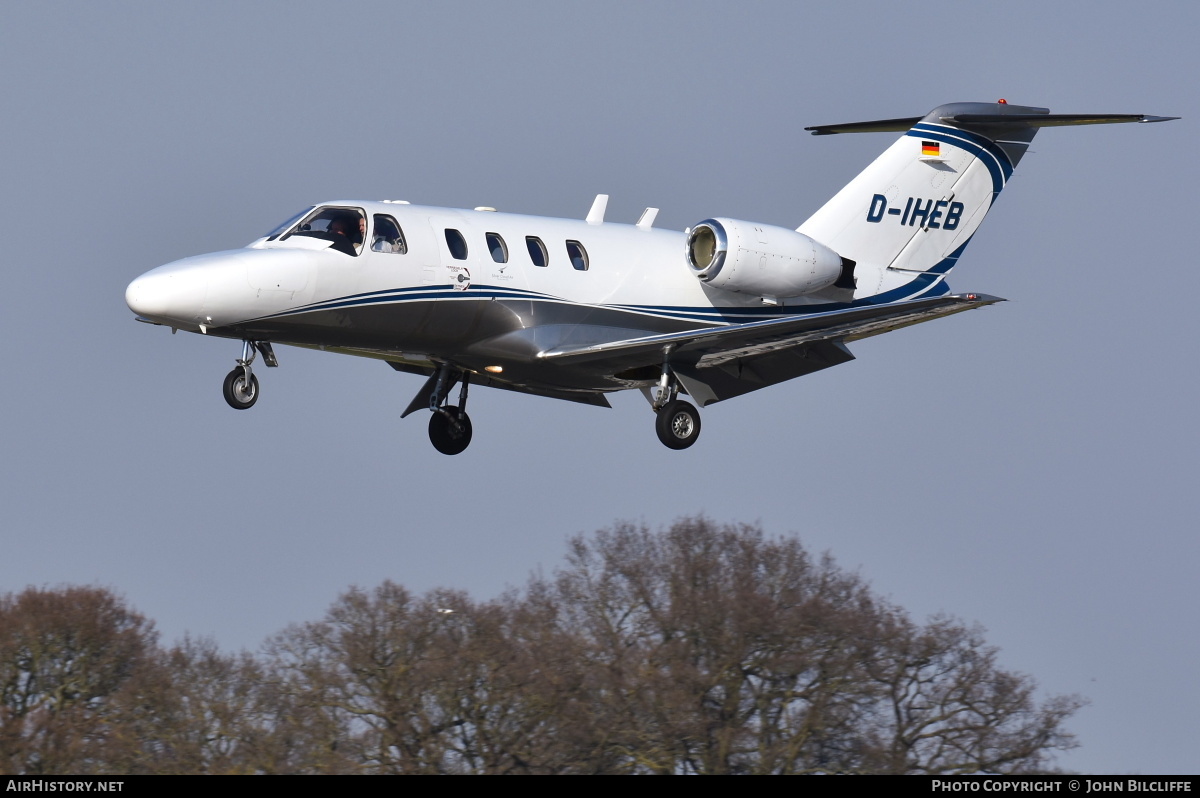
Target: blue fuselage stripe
<point>928,283</point>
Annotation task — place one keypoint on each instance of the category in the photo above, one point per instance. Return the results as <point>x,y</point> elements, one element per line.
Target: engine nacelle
<point>760,259</point>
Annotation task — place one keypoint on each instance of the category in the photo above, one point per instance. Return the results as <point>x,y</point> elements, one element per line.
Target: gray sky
<point>1031,466</point>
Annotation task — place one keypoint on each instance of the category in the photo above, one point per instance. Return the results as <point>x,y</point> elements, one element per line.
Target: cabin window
<point>387,236</point>
<point>497,247</point>
<point>457,244</point>
<point>537,251</point>
<point>578,256</point>
<point>344,227</point>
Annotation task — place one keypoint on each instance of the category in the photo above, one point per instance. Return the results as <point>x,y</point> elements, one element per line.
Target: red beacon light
<point>1002,101</point>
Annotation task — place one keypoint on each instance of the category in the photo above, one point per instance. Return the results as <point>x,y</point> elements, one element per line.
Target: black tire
<point>238,394</point>
<point>450,435</point>
<point>677,424</point>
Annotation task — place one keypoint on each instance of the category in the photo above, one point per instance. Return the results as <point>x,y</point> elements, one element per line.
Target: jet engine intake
<point>760,259</point>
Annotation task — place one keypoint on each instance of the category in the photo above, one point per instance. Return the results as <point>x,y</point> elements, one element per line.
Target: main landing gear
<point>241,386</point>
<point>450,429</point>
<point>449,425</point>
<point>677,422</point>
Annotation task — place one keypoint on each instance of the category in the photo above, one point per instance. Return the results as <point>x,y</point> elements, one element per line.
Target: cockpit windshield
<point>344,227</point>
<point>271,236</point>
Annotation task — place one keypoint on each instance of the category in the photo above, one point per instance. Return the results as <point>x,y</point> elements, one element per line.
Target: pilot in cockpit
<point>387,237</point>
<point>347,236</point>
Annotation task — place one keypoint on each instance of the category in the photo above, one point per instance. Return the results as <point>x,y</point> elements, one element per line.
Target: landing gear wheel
<point>240,394</point>
<point>450,434</point>
<point>677,424</point>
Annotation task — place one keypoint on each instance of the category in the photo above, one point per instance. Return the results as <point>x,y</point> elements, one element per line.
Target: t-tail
<point>908,216</point>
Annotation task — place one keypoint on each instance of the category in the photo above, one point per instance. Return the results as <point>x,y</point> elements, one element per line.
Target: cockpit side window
<point>387,236</point>
<point>345,227</point>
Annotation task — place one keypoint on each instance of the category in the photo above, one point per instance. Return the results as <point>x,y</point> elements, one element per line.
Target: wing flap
<point>719,363</point>
<point>736,377</point>
<point>757,337</point>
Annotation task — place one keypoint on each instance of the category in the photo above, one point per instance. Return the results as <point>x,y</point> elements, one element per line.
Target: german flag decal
<point>931,148</point>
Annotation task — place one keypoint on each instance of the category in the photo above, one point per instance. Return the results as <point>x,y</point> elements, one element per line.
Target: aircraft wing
<point>719,363</point>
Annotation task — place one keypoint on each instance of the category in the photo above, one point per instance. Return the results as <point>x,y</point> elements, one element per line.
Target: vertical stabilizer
<point>913,210</point>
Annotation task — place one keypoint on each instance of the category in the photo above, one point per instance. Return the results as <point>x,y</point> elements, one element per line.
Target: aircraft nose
<point>168,295</point>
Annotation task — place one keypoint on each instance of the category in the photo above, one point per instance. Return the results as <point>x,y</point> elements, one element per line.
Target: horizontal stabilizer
<point>1041,119</point>
<point>1051,120</point>
<point>878,126</point>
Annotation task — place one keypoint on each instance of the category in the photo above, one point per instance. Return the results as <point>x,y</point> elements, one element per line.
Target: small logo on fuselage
<point>917,212</point>
<point>460,277</point>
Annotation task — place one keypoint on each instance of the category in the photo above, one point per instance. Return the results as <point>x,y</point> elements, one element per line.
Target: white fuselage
<point>432,303</point>
<point>629,267</point>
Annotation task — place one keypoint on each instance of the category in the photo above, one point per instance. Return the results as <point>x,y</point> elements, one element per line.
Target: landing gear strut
<point>449,426</point>
<point>241,386</point>
<point>677,422</point>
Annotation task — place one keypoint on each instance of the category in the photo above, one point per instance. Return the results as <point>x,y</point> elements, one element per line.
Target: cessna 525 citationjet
<point>576,309</point>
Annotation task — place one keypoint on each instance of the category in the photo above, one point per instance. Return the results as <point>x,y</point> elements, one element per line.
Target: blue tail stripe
<point>994,166</point>
<point>983,142</point>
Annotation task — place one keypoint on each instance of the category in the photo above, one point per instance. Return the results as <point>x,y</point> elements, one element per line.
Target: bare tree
<point>370,670</point>
<point>948,708</point>
<point>701,648</point>
<point>201,711</point>
<point>712,649</point>
<point>438,684</point>
<point>64,655</point>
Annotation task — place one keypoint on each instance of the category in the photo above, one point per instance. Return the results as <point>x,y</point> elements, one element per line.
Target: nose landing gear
<point>241,386</point>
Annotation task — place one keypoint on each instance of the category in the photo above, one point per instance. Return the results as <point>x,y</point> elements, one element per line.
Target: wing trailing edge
<point>723,362</point>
